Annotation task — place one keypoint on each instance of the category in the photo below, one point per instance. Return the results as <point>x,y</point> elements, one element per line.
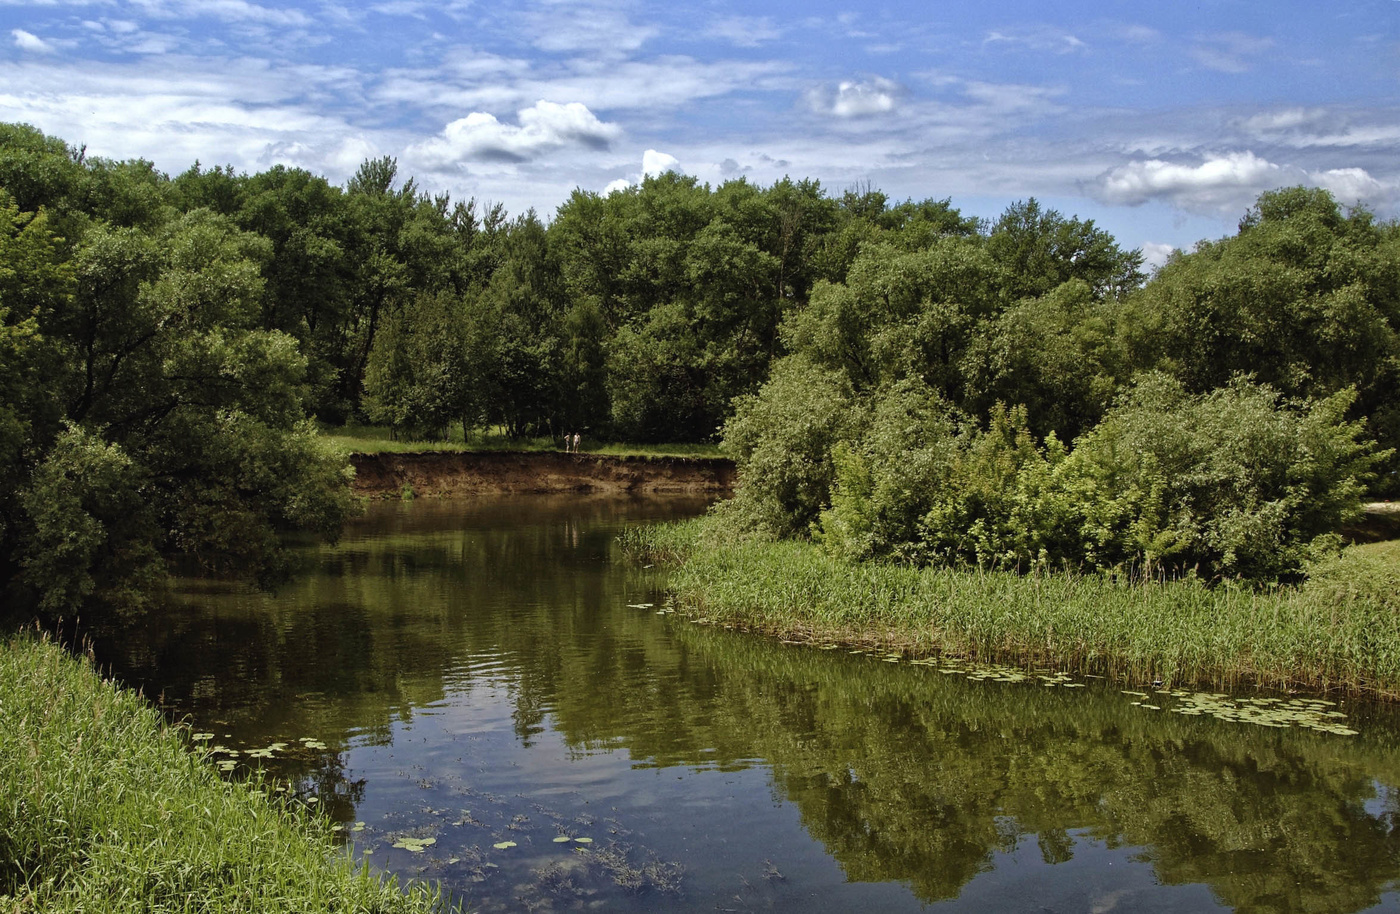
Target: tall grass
<point>104,808</point>
<point>1339,630</point>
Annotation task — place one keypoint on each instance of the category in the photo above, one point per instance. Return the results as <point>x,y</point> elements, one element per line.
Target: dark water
<point>477,672</point>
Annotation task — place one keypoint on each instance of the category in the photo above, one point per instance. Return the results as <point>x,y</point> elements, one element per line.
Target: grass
<point>105,808</point>
<point>371,439</point>
<point>1340,630</point>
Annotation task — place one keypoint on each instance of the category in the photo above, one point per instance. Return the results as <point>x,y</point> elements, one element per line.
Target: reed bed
<point>1338,631</point>
<point>105,808</point>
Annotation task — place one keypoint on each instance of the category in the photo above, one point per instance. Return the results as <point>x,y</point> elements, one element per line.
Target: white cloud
<point>1229,183</point>
<point>1304,128</point>
<point>475,82</point>
<point>1352,185</point>
<point>658,163</point>
<point>225,10</point>
<point>27,41</point>
<point>1217,183</point>
<point>852,99</point>
<point>570,28</point>
<point>544,127</point>
<point>1041,38</point>
<point>1155,253</point>
<point>654,163</point>
<point>744,31</point>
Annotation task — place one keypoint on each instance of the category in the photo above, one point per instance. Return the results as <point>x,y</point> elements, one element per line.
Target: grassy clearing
<point>369,439</point>
<point>104,808</point>
<point>1340,630</point>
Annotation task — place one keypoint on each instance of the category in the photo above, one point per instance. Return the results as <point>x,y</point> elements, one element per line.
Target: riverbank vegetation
<point>107,808</point>
<point>1338,630</point>
<point>379,439</point>
<point>897,379</point>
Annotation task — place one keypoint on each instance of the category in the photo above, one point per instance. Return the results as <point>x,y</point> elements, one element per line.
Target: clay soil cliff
<point>507,472</point>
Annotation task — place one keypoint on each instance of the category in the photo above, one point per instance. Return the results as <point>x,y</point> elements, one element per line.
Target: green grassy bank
<point>377,439</point>
<point>1340,630</point>
<point>105,808</point>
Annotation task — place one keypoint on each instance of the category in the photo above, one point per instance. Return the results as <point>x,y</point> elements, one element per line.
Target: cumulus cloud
<point>654,162</point>
<point>658,163</point>
<point>27,41</point>
<point>1228,183</point>
<point>544,127</point>
<point>1352,185</point>
<point>1215,184</point>
<point>853,99</point>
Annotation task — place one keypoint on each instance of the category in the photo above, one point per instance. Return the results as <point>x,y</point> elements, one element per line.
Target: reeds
<point>1340,630</point>
<point>105,808</point>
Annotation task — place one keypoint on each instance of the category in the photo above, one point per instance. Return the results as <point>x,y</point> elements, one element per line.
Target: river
<point>481,693</point>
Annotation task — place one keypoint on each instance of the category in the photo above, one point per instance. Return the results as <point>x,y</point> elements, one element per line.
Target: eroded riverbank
<point>538,473</point>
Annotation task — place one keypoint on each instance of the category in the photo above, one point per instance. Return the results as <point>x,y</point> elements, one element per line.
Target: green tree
<point>1306,298</point>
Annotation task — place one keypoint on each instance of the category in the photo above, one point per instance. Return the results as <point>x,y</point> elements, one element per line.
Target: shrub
<point>782,441</point>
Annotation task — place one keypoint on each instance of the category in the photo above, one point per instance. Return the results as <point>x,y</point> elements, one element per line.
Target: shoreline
<point>1338,632</point>
<point>466,473</point>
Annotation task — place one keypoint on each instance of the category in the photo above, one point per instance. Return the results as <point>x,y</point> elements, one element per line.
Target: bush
<point>782,441</point>
<point>1235,483</point>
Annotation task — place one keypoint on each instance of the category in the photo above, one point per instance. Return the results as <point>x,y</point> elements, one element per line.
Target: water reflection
<point>483,674</point>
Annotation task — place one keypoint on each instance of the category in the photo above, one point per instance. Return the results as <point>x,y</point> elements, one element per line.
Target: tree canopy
<point>166,342</point>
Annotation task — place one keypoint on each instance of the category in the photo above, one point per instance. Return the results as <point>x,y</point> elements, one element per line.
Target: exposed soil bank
<point>515,472</point>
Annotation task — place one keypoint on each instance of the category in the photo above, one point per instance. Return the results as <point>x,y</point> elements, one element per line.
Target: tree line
<point>166,341</point>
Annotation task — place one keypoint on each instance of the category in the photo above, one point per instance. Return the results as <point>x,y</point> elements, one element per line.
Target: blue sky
<point>1160,121</point>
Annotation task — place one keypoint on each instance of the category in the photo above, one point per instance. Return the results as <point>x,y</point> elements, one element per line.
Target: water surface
<point>457,675</point>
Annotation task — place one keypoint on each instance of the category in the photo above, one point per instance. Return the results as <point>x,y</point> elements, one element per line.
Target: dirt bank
<point>507,473</point>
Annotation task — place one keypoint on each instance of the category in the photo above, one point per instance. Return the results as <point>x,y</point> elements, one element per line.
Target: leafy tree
<point>183,434</point>
<point>1306,298</point>
<point>1040,249</point>
<point>1061,356</point>
<point>419,379</point>
<point>782,440</point>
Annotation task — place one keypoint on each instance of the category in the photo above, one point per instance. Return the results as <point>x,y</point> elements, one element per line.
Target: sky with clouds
<point>1162,122</point>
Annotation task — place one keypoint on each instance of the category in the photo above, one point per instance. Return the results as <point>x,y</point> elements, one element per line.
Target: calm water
<point>482,672</point>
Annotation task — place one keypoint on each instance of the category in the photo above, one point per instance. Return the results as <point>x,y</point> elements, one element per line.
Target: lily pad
<point>502,845</point>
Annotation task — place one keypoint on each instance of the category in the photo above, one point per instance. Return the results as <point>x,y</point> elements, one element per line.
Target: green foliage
<point>1338,629</point>
<point>888,477</point>
<point>1237,482</point>
<point>141,308</point>
<point>1040,250</point>
<point>782,441</point>
<point>419,377</point>
<point>87,526</point>
<point>104,807</point>
<point>1305,297</point>
<point>146,415</point>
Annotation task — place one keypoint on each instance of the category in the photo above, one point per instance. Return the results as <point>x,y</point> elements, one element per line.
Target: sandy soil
<point>506,473</point>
